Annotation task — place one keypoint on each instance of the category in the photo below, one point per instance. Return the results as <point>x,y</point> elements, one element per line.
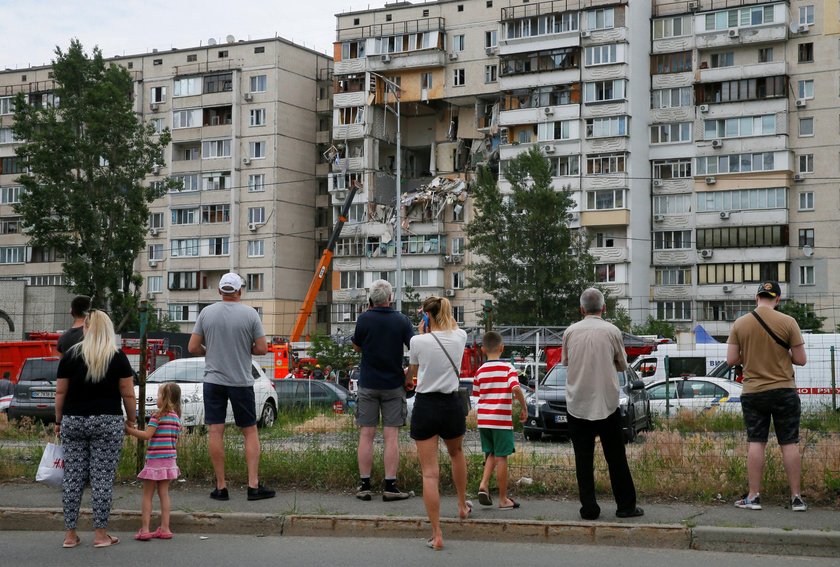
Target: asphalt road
<point>187,550</point>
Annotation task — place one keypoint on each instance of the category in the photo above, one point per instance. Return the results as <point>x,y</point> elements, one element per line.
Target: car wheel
<point>630,432</point>
<point>269,415</point>
<point>533,435</point>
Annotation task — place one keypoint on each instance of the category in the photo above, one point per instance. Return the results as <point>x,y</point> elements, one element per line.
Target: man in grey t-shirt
<point>227,333</point>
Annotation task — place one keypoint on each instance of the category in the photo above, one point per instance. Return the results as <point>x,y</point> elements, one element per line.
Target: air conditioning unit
<point>154,231</point>
<point>724,215</point>
<point>727,289</point>
<point>801,103</point>
<point>658,218</point>
<point>548,111</point>
<point>153,263</point>
<point>694,6</point>
<point>717,144</point>
<point>711,181</point>
<point>706,253</point>
<point>449,292</point>
<point>489,50</point>
<point>704,108</point>
<point>548,149</point>
<point>586,33</point>
<point>246,160</point>
<point>456,258</point>
<point>453,56</point>
<point>734,33</point>
<point>252,226</point>
<point>447,259</point>
<point>657,183</point>
<point>573,216</point>
<point>154,106</point>
<point>150,295</point>
<point>156,169</point>
<point>248,96</point>
<point>385,58</point>
<point>345,317</point>
<point>799,177</point>
<point>803,28</point>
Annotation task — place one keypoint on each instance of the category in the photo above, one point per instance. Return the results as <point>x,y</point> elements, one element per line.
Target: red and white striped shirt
<point>493,384</point>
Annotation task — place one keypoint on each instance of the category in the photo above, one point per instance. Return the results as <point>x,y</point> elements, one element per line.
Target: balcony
<point>744,217</point>
<point>736,72</point>
<point>539,114</point>
<point>723,291</point>
<point>742,36</point>
<point>355,164</point>
<point>755,254</point>
<point>350,131</point>
<point>678,257</point>
<point>619,217</point>
<point>666,292</point>
<point>345,99</point>
<point>539,79</point>
<point>351,66</point>
<point>612,254</point>
<point>423,59</point>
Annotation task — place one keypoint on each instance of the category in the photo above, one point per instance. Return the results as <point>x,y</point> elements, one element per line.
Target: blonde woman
<point>93,376</point>
<point>438,411</point>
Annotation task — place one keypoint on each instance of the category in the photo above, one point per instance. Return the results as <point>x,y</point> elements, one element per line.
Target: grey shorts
<point>389,404</point>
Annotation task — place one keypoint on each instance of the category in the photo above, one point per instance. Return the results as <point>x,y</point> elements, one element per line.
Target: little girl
<point>162,434</point>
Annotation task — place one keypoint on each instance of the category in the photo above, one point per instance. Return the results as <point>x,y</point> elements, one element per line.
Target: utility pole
<point>141,394</point>
<point>488,315</point>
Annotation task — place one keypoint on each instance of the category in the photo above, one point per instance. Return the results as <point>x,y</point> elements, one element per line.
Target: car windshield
<point>556,378</point>
<point>36,369</point>
<point>721,370</point>
<point>180,371</point>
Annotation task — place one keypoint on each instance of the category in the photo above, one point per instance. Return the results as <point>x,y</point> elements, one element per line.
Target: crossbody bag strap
<point>779,341</point>
<point>449,358</point>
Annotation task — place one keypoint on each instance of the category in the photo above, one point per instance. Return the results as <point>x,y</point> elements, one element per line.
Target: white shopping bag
<point>51,469</point>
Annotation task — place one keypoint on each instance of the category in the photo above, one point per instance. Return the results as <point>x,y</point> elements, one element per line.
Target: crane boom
<point>323,267</point>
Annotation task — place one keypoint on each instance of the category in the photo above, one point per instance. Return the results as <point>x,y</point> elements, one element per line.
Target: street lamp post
<point>395,88</point>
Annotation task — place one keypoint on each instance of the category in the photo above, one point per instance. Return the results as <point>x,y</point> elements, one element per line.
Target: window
<point>605,273</point>
<point>765,55</point>
<point>457,280</point>
<point>256,215</point>
<point>156,220</point>
<point>12,254</point>
<point>220,83</point>
<point>215,213</point>
<point>458,42</point>
<point>257,117</point>
<point>256,183</point>
<point>806,15</point>
<point>187,87</point>
<point>567,165</point>
<point>186,118</point>
<point>183,280</point>
<point>540,61</point>
<point>258,83</point>
<point>806,163</point>
<point>256,150</point>
<point>254,282</point>
<point>671,98</point>
<point>604,90</point>
<point>664,63</point>
<point>740,127</point>
<point>672,169</point>
<point>157,124</point>
<point>806,127</point>
<point>600,19</point>
<point>806,201</point>
<point>746,272</point>
<point>458,77</point>
<point>670,133</point>
<point>426,81</point>
<point>604,54</point>
<point>389,17</point>
<point>715,201</point>
<point>11,165</point>
<point>215,149</point>
<point>158,95</point>
<point>806,237</point>
<point>216,181</point>
<point>179,313</point>
<point>668,27</point>
<point>458,314</point>
<point>10,195</point>
<point>351,280</point>
<point>490,39</point>
<point>458,245</point>
<point>806,275</point>
<point>605,163</point>
<point>183,247</point>
<point>740,17</point>
<point>726,59</point>
<point>256,248</point>
<point>218,246</point>
<point>154,284</point>
<point>223,54</point>
<point>672,240</point>
<point>156,252</point>
<point>805,89</point>
<point>490,73</point>
<point>606,127</point>
<point>742,237</point>
<point>7,105</point>
<point>184,216</point>
<point>724,310</point>
<point>806,52</point>
<point>10,225</point>
<point>735,163</point>
<point>605,199</point>
<point>742,89</point>
<point>673,275</point>
<point>561,130</point>
<point>259,49</point>
<point>416,278</point>
<point>39,254</point>
<point>673,311</point>
<point>460,7</point>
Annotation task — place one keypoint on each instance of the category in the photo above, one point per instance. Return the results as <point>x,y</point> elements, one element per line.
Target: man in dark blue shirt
<point>381,336</point>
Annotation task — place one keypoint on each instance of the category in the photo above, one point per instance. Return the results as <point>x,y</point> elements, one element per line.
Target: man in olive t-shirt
<point>768,343</point>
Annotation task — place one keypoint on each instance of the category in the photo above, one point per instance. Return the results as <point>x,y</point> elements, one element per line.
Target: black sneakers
<point>392,493</point>
<point>634,513</point>
<point>260,493</point>
<point>220,494</point>
<point>363,493</point>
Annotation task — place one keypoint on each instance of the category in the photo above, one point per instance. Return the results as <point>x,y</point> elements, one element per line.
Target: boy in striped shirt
<point>495,384</point>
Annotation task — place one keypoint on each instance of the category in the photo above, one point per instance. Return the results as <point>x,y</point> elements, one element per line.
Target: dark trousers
<point>583,433</point>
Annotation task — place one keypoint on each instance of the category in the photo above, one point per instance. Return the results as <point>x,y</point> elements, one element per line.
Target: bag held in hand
<point>51,469</point>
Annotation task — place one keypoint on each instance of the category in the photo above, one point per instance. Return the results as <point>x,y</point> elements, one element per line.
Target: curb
<point>659,536</point>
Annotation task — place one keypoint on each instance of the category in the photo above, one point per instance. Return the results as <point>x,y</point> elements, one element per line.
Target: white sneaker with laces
<point>797,504</point>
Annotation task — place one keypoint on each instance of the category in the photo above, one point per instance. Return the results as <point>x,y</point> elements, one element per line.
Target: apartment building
<point>246,118</point>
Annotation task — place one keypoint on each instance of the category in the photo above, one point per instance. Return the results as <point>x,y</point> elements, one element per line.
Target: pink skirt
<point>160,469</point>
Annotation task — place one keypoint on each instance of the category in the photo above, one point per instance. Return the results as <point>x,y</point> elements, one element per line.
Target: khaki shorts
<point>389,404</point>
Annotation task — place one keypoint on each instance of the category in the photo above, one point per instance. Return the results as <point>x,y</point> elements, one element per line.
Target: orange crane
<point>323,265</point>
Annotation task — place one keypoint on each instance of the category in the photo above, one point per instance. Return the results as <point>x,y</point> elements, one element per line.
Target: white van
<point>813,381</point>
<point>682,362</point>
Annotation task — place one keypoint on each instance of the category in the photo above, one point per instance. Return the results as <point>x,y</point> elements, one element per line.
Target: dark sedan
<point>299,393</point>
<point>547,406</point>
<point>34,394</point>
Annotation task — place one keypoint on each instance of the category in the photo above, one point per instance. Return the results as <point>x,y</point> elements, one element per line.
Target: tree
<point>804,315</point>
<point>656,327</point>
<point>530,261</point>
<point>87,156</point>
<point>620,317</point>
<point>339,355</point>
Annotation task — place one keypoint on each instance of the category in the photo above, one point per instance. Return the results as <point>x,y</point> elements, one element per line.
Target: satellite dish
<point>794,27</point>
<point>808,250</point>
<point>230,39</point>
<point>211,41</point>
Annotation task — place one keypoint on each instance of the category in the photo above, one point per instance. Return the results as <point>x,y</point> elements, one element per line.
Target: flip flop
<point>431,545</point>
<point>484,498</point>
<point>73,544</point>
<point>143,536</point>
<point>469,510</point>
<point>161,534</point>
<point>511,507</point>
<point>111,541</point>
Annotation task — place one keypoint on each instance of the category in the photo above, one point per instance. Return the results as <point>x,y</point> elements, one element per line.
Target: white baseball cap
<point>230,283</point>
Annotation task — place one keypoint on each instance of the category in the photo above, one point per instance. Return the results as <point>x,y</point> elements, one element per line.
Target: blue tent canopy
<point>702,337</point>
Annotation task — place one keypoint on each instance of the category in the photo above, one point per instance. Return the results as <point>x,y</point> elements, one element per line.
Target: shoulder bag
<point>770,332</point>
<point>463,393</point>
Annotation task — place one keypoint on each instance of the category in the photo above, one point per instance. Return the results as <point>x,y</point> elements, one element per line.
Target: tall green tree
<point>529,260</point>
<point>653,326</point>
<point>340,356</point>
<point>804,315</point>
<point>87,155</point>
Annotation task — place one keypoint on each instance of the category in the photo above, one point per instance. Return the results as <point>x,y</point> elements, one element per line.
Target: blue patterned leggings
<point>92,447</point>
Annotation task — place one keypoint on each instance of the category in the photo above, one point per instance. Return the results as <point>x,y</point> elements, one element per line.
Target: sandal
<point>430,543</point>
<point>484,498</point>
<point>72,544</point>
<point>161,534</point>
<point>111,541</point>
<point>469,510</point>
<point>143,536</point>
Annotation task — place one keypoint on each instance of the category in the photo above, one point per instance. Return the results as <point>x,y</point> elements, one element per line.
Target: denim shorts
<point>782,405</point>
<point>438,414</point>
<point>241,398</point>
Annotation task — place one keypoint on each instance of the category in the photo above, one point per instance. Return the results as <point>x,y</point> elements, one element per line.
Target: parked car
<point>552,417</point>
<point>695,394</point>
<point>299,393</point>
<point>34,393</point>
<point>188,373</point>
<point>466,383</point>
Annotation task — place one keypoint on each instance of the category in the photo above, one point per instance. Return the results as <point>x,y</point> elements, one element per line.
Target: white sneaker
<point>797,504</point>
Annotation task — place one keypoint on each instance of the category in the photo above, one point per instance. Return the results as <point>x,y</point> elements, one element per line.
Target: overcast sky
<point>30,29</point>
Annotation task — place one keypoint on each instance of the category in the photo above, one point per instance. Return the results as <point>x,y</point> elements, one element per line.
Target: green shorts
<point>496,442</point>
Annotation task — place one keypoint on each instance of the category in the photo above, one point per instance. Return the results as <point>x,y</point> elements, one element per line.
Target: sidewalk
<point>716,526</point>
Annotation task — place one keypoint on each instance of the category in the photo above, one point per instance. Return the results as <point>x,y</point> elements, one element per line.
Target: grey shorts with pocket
<point>389,404</point>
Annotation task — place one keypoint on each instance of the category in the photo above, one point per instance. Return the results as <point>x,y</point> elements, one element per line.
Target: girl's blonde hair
<point>440,310</point>
<point>171,399</point>
<point>99,345</point>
